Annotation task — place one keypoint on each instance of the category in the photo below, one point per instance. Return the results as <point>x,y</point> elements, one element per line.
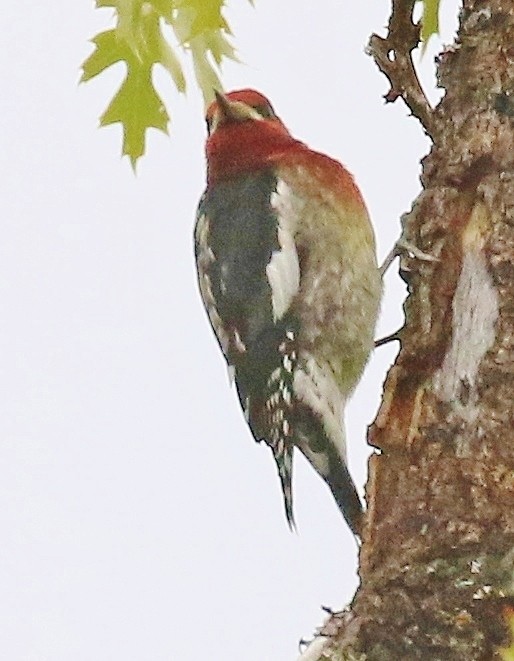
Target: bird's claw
<point>407,246</point>
<point>388,338</point>
<point>404,246</point>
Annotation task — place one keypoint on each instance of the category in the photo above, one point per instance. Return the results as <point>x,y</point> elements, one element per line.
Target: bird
<point>287,271</point>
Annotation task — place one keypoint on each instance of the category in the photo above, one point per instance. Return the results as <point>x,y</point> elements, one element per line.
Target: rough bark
<point>437,560</point>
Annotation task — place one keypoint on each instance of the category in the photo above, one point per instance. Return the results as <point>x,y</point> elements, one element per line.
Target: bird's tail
<point>283,455</point>
<point>345,494</point>
<point>338,479</point>
<point>326,455</point>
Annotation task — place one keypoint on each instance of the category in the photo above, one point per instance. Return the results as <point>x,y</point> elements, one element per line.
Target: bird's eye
<point>266,111</point>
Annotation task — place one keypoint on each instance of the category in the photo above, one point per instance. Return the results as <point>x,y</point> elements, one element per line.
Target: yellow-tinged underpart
<point>340,287</point>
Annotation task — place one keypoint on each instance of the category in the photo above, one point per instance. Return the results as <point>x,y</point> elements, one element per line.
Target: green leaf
<point>205,73</point>
<point>429,20</point>
<point>138,40</point>
<point>201,29</point>
<point>107,52</point>
<point>171,63</point>
<point>204,16</point>
<point>220,47</point>
<point>138,107</point>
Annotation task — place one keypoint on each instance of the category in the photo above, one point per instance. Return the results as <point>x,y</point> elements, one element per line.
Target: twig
<point>393,56</point>
<point>393,337</point>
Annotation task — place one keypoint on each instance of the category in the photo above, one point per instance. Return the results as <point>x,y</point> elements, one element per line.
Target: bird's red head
<point>244,134</point>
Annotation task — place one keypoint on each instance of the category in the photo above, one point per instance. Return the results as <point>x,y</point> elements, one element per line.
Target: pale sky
<point>139,520</point>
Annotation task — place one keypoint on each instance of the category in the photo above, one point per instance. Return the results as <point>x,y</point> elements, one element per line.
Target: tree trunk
<point>438,551</point>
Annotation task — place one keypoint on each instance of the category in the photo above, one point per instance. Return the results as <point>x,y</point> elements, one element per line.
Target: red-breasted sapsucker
<point>288,275</point>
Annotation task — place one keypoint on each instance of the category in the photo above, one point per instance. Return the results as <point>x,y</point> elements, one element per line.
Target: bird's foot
<point>404,246</point>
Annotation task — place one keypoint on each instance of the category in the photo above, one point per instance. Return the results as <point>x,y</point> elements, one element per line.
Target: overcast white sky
<point>139,520</point>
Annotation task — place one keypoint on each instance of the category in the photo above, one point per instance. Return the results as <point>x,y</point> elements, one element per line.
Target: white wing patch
<point>205,259</point>
<point>283,270</point>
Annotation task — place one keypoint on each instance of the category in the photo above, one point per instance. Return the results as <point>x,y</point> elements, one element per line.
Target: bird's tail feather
<point>326,457</point>
<point>284,460</point>
<point>345,494</point>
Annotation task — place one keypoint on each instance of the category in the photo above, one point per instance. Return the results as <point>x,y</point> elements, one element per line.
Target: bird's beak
<point>228,110</point>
